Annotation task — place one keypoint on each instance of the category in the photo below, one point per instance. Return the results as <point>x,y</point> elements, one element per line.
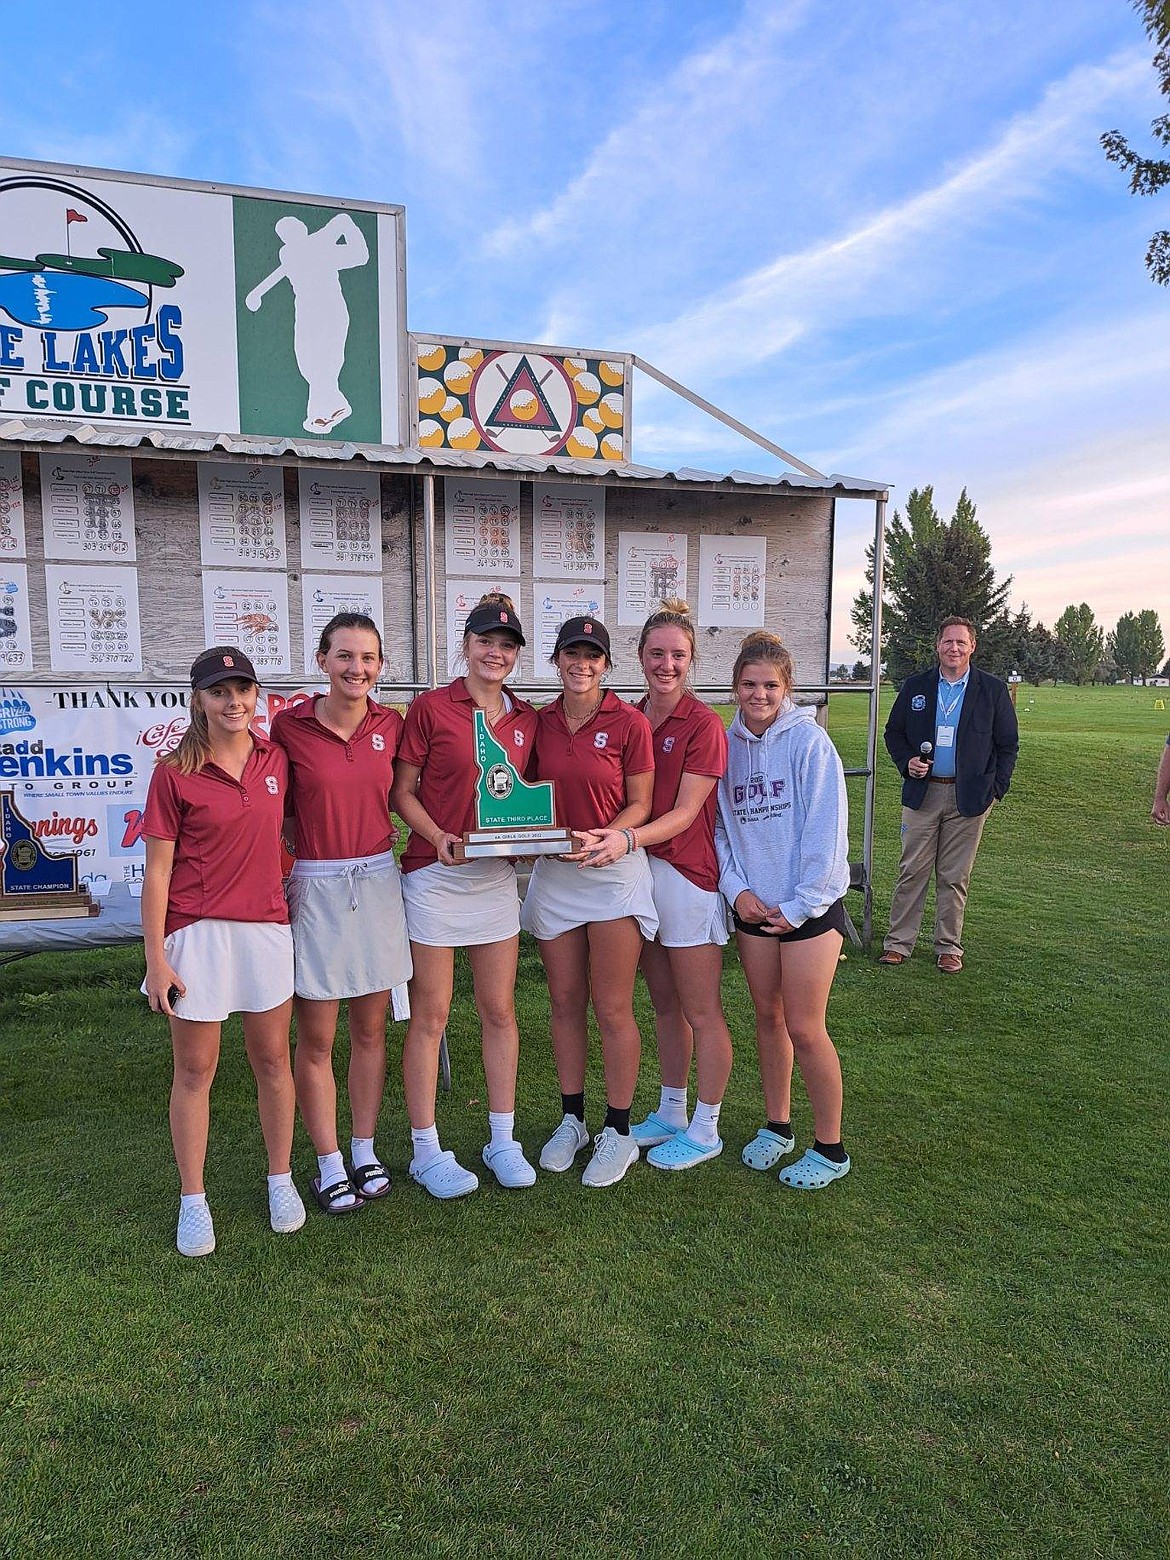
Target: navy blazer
<point>987,741</point>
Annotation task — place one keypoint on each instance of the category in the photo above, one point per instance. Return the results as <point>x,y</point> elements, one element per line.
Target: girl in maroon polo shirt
<point>590,911</point>
<point>215,925</point>
<point>345,898</point>
<point>472,905</point>
<point>683,965</point>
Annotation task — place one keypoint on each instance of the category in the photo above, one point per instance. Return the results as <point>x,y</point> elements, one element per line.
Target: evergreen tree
<point>935,569</point>
<point>1032,647</point>
<point>1136,644</point>
<point>1151,645</point>
<point>1080,643</point>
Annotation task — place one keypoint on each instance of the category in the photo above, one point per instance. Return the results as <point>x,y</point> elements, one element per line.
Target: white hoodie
<point>783,825</point>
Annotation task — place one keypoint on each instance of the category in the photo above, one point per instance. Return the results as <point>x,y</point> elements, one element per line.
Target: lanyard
<point>949,709</point>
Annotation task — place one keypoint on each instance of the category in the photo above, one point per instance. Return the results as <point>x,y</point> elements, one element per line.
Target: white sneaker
<point>613,1154</point>
<point>564,1145</point>
<point>196,1233</point>
<point>286,1211</point>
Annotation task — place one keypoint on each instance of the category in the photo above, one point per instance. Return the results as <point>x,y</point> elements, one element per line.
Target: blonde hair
<point>759,645</point>
<point>194,749</point>
<point>673,613</point>
<point>490,598</point>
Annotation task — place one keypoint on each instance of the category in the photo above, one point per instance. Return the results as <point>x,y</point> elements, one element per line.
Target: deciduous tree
<point>1148,175</point>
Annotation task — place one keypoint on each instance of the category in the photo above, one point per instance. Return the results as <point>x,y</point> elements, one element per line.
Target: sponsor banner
<point>163,304</point>
<point>77,761</point>
<point>540,401</point>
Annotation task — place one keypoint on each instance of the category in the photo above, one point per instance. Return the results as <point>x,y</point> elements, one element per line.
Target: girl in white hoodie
<point>782,841</point>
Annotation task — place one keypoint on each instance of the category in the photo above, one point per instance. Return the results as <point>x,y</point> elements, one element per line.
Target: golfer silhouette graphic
<point>312,264</point>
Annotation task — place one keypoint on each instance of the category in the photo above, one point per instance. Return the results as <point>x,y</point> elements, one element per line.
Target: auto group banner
<point>76,762</point>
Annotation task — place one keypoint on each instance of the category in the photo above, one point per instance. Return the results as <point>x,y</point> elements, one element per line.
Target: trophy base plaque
<point>533,841</point>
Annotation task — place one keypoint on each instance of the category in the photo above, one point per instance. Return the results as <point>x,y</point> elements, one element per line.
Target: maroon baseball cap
<point>491,615</point>
<point>582,631</point>
<point>221,665</point>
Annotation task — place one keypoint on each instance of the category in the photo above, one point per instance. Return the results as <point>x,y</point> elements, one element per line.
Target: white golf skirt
<point>562,895</point>
<point>461,907</point>
<point>688,916</point>
<point>230,967</point>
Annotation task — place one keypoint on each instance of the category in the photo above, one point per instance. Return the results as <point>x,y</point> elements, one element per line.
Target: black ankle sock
<point>780,1128</point>
<point>832,1151</point>
<point>619,1120</point>
<point>574,1105</point>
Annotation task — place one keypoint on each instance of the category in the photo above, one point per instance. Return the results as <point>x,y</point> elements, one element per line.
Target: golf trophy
<point>512,816</point>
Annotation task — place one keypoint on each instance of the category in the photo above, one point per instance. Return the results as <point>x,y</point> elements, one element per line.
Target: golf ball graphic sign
<point>521,400</point>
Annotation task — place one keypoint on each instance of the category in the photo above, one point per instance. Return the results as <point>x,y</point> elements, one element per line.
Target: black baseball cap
<point>491,615</point>
<point>216,666</point>
<point>582,631</point>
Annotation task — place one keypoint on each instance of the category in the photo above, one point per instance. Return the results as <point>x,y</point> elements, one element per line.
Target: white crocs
<point>444,1177</point>
<point>509,1166</point>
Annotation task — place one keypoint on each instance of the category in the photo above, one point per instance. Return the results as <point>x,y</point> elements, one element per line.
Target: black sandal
<point>328,1197</point>
<point>362,1175</point>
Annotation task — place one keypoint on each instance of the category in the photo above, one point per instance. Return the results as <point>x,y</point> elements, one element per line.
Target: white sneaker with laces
<point>564,1145</point>
<point>286,1211</point>
<point>613,1154</point>
<point>196,1233</point>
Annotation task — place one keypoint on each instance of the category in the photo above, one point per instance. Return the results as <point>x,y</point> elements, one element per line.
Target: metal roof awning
<point>416,460</point>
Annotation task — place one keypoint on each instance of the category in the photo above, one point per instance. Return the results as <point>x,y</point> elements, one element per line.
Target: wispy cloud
<point>902,255</point>
<point>705,99</point>
<point>143,140</point>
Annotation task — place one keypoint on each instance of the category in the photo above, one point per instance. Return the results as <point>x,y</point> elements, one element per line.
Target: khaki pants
<point>935,837</point>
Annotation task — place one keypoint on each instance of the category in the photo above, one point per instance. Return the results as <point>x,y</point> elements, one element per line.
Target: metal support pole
<point>429,585</point>
<point>875,677</point>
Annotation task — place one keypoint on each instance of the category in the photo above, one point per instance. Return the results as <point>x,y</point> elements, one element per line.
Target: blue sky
<point>886,236</point>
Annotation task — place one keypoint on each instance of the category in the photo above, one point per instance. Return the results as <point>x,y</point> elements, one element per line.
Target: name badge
<point>944,736</point>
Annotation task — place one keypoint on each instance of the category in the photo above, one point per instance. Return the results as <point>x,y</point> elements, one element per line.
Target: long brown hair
<point>759,645</point>
<point>194,749</point>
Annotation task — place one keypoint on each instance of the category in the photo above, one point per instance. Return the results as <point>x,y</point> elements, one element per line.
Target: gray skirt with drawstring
<point>349,929</point>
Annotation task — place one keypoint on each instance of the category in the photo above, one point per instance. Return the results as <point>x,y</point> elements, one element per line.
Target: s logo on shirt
<point>518,738</point>
<point>667,744</point>
<point>601,739</point>
<point>272,785</point>
<point>378,742</point>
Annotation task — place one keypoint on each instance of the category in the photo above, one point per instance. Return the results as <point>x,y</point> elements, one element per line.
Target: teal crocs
<point>767,1149</point>
<point>654,1130</point>
<point>683,1153</point>
<point>812,1172</point>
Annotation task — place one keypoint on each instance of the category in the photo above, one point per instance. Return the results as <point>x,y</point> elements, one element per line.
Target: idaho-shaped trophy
<point>513,816</point>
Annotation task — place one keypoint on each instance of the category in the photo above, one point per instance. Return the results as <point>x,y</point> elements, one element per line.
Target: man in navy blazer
<point>953,735</point>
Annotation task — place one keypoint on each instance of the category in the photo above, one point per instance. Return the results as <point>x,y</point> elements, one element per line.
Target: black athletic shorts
<point>833,920</point>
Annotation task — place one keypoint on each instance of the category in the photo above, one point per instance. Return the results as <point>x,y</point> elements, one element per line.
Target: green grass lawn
<point>959,1350</point>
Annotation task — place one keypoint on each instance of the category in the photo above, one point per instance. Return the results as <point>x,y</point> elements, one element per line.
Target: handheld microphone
<point>926,753</point>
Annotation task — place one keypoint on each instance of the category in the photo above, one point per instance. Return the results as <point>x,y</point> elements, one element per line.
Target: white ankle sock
<point>503,1125</point>
<point>361,1151</point>
<point>192,1200</point>
<point>426,1145</point>
<point>331,1168</point>
<point>704,1127</point>
<point>279,1180</point>
<point>672,1106</point>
